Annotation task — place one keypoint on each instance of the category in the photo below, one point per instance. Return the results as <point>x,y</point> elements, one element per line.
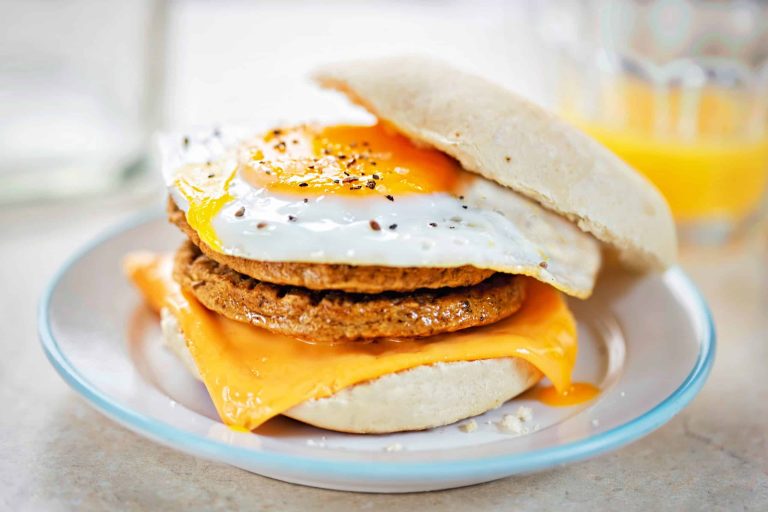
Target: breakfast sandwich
<point>400,275</point>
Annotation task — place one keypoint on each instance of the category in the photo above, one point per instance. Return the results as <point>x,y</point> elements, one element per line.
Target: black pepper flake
<point>336,181</point>
<point>376,177</point>
<point>291,218</point>
<point>461,198</point>
<point>543,264</point>
<point>216,132</point>
<point>464,206</point>
<point>240,212</point>
<point>351,179</point>
<point>433,224</point>
<point>310,166</point>
<point>356,187</point>
<point>372,162</point>
<point>186,141</point>
<point>303,184</point>
<point>370,184</point>
<point>393,227</point>
<point>261,225</point>
<point>508,158</point>
<point>352,162</point>
<point>306,200</point>
<point>294,141</point>
<point>277,132</point>
<point>268,171</point>
<point>211,175</point>
<point>374,225</point>
<point>390,197</point>
<point>451,227</point>
<point>366,143</point>
<point>341,157</point>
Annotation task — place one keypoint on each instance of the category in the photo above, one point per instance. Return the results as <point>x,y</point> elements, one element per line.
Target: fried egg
<point>365,195</point>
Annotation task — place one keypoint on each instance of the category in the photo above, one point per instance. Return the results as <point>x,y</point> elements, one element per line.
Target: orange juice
<point>705,150</point>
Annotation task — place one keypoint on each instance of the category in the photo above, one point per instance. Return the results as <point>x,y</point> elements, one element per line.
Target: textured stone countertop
<point>56,453</point>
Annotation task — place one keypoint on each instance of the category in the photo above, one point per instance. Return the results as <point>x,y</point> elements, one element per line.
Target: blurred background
<point>678,88</point>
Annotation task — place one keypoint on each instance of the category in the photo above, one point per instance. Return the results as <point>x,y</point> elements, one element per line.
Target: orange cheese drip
<point>346,160</point>
<point>253,375</point>
<point>575,394</point>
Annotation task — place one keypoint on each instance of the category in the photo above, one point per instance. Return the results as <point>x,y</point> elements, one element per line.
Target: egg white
<point>491,227</point>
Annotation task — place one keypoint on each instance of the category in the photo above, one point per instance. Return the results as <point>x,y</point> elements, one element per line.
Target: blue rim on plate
<point>510,464</point>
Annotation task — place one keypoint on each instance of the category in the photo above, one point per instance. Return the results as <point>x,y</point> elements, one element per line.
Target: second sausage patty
<point>335,315</point>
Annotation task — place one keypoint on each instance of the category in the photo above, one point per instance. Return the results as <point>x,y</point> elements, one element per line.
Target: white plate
<point>648,342</point>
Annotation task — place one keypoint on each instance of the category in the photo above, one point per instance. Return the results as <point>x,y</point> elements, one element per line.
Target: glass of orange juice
<point>679,90</point>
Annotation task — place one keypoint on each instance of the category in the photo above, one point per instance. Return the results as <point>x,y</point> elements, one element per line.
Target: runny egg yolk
<point>346,160</point>
<point>206,189</point>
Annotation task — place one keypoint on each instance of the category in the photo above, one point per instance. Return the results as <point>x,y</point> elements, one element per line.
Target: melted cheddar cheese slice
<point>253,375</point>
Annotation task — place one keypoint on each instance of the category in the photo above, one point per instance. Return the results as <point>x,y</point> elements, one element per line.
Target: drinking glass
<point>679,90</point>
<point>80,84</point>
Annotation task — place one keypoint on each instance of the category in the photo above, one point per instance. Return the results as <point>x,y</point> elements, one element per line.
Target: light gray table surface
<point>56,453</point>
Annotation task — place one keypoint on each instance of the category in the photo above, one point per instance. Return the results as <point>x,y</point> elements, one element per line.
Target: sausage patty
<point>333,315</point>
